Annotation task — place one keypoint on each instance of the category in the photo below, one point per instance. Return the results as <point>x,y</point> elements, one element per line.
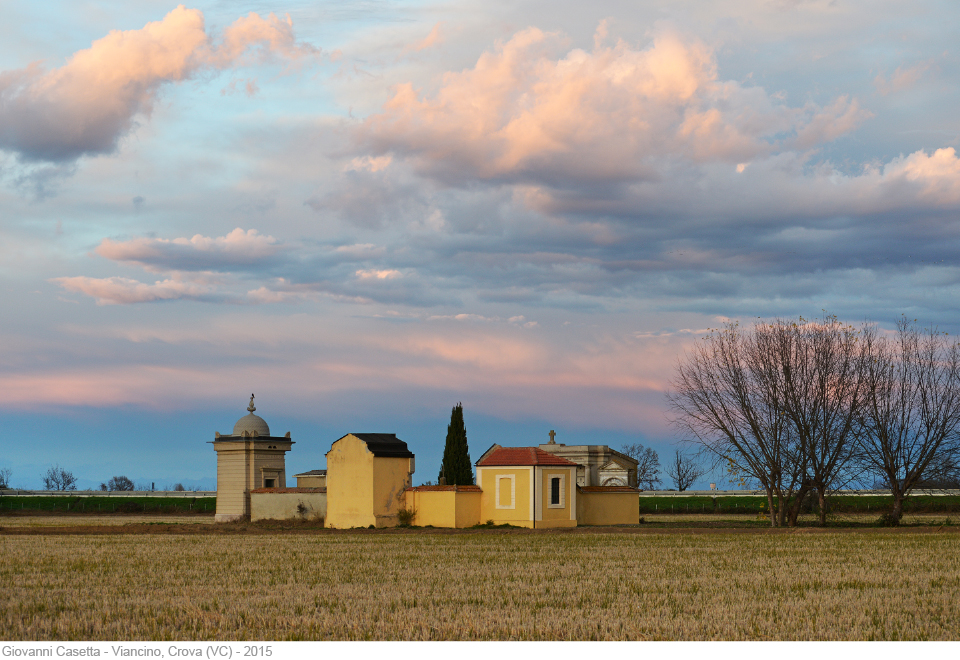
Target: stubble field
<point>507,585</point>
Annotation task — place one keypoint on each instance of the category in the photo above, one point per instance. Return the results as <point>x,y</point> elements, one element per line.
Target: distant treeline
<point>835,504</point>
<point>104,505</point>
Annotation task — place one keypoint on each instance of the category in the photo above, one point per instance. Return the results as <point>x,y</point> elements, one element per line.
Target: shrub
<point>405,517</point>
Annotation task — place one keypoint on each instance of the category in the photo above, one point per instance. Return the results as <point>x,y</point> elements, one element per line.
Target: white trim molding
<point>513,491</point>
<point>563,491</point>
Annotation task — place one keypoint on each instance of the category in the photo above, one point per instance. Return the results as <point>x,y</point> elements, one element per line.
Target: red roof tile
<point>522,456</point>
<point>289,490</point>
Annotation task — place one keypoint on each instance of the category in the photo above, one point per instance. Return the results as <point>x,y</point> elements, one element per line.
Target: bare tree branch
<point>648,465</point>
<point>684,471</point>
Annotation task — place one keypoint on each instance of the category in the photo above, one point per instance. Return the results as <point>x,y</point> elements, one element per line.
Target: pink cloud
<point>88,104</point>
<point>606,114</point>
<point>902,78</point>
<point>236,249</point>
<point>124,291</point>
<point>935,178</point>
<point>429,41</point>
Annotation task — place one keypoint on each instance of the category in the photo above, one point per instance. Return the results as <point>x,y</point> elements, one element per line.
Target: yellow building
<point>367,474</point>
<point>248,459</point>
<point>368,483</point>
<point>527,487</point>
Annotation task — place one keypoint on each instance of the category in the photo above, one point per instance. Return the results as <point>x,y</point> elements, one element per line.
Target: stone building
<point>248,459</point>
<point>598,465</point>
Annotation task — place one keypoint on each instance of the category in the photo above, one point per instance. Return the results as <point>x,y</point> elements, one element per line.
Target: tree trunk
<point>822,505</point>
<point>772,511</point>
<point>898,507</point>
<point>896,513</point>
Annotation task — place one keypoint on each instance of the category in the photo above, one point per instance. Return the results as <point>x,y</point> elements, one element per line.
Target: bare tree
<point>822,364</point>
<point>727,397</point>
<point>120,483</point>
<point>56,478</point>
<point>648,465</point>
<point>910,423</point>
<point>5,474</point>
<point>684,471</point>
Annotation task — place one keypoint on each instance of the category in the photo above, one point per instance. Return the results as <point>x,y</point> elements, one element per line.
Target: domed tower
<point>248,459</point>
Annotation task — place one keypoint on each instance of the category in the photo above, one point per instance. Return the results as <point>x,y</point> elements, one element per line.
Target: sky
<point>367,212</point>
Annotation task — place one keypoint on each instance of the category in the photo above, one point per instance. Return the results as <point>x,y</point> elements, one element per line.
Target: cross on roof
<point>552,434</point>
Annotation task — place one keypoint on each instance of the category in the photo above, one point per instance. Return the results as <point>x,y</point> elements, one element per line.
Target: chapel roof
<point>521,456</point>
<point>386,445</point>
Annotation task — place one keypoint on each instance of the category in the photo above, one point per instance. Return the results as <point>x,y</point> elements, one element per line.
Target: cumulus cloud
<point>88,104</point>
<point>237,250</point>
<point>522,114</point>
<point>935,178</point>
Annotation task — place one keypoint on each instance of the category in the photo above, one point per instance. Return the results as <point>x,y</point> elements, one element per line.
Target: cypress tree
<point>456,467</point>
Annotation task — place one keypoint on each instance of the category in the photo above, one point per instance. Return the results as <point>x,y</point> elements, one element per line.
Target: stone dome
<point>251,423</point>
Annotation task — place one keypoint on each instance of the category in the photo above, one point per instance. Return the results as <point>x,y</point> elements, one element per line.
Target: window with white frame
<point>556,497</point>
<point>506,491</point>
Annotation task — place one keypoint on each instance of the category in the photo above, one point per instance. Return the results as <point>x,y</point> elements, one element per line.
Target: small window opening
<point>268,483</point>
<point>555,490</point>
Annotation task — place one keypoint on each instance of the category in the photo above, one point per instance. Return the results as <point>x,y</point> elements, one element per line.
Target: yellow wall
<point>446,508</point>
<point>312,481</point>
<point>390,477</point>
<point>434,508</point>
<point>285,506</point>
<point>468,509</point>
<point>522,513</point>
<point>350,484</point>
<point>557,517</point>
<point>608,508</point>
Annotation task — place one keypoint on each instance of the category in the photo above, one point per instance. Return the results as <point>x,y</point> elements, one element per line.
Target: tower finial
<point>251,407</point>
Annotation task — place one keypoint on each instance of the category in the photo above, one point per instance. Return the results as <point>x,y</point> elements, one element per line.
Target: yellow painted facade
<point>608,508</point>
<point>564,513</point>
<point>363,489</point>
<point>444,508</point>
<point>369,476</point>
<point>507,494</point>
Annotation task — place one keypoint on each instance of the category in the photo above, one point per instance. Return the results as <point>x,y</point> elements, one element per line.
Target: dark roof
<point>521,456</point>
<point>312,473</point>
<point>386,445</point>
<point>465,488</point>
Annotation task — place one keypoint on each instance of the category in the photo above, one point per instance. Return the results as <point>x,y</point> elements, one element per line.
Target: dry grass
<point>489,585</point>
<point>106,520</point>
<point>807,519</point>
